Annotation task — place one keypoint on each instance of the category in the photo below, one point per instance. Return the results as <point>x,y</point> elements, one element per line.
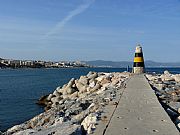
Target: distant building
<point>40,64</point>
<point>29,63</point>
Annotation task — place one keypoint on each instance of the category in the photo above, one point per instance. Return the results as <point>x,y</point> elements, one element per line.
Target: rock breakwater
<point>76,107</point>
<point>167,89</point>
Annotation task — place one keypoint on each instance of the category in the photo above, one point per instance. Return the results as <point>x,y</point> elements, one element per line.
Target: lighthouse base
<point>138,70</point>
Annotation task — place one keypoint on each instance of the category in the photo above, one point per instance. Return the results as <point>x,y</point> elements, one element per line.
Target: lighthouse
<point>138,66</point>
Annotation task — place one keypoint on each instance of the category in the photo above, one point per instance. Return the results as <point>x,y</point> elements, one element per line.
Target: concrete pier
<point>138,112</point>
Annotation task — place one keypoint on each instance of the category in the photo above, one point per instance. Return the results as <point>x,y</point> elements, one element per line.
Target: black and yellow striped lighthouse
<point>138,67</point>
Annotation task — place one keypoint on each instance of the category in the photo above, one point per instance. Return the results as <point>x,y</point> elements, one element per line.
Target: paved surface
<point>139,112</point>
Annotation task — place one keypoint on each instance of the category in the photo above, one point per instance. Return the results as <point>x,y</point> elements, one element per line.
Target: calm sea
<point>21,88</point>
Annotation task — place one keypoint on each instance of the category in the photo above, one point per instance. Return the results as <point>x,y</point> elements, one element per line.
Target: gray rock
<point>82,88</point>
<point>167,82</point>
<point>70,90</point>
<point>14,129</point>
<point>64,86</point>
<point>167,89</point>
<point>177,78</point>
<point>49,97</point>
<point>92,76</point>
<point>166,72</point>
<point>74,95</point>
<point>74,110</point>
<point>27,132</point>
<point>69,103</point>
<point>60,90</point>
<point>89,74</point>
<point>92,84</point>
<point>56,93</point>
<point>84,80</point>
<point>167,77</point>
<point>56,99</point>
<point>66,128</point>
<point>92,80</point>
<point>89,123</point>
<point>98,86</point>
<point>61,101</point>
<point>43,100</point>
<point>71,82</point>
<point>159,86</point>
<point>60,107</point>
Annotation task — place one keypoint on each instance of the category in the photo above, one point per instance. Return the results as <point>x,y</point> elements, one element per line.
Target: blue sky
<point>90,29</point>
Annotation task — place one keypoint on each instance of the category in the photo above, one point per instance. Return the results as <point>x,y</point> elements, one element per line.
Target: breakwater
<point>167,89</point>
<point>77,104</point>
<point>92,117</point>
<point>20,89</point>
<point>139,112</point>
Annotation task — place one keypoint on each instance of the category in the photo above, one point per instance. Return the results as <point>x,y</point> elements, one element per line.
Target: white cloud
<point>80,9</point>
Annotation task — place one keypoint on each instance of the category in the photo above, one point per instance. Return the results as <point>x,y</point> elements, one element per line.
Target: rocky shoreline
<point>76,107</point>
<point>167,89</point>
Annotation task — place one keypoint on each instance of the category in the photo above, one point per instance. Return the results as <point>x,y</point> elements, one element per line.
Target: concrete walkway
<point>139,112</point>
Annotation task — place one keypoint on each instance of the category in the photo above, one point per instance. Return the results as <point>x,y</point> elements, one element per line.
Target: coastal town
<point>10,63</point>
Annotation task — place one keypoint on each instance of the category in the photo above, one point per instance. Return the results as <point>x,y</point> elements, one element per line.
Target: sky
<point>90,29</point>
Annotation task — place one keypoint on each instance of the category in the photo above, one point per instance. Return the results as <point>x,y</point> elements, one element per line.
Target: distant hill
<point>162,64</point>
<point>102,63</point>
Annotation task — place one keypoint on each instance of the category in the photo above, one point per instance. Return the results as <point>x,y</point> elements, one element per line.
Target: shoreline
<point>47,68</point>
<point>77,104</point>
<point>72,106</point>
<point>167,89</point>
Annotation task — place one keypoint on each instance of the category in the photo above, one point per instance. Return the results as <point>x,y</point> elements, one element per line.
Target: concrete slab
<point>139,112</point>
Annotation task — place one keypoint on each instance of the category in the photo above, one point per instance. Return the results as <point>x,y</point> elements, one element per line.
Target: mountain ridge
<point>148,63</point>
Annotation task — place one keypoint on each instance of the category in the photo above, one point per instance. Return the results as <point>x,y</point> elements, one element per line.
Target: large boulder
<point>177,77</point>
<point>92,75</point>
<point>14,129</point>
<point>56,99</point>
<point>89,123</point>
<point>49,97</point>
<point>100,78</point>
<point>92,84</point>
<point>26,132</point>
<point>151,77</point>
<point>114,82</point>
<point>71,82</point>
<point>105,81</point>
<point>82,95</point>
<point>60,90</point>
<point>160,86</point>
<point>95,88</point>
<point>56,93</point>
<point>70,90</point>
<point>43,100</point>
<point>82,88</point>
<point>74,95</point>
<point>166,72</point>
<point>166,77</point>
<point>84,80</point>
